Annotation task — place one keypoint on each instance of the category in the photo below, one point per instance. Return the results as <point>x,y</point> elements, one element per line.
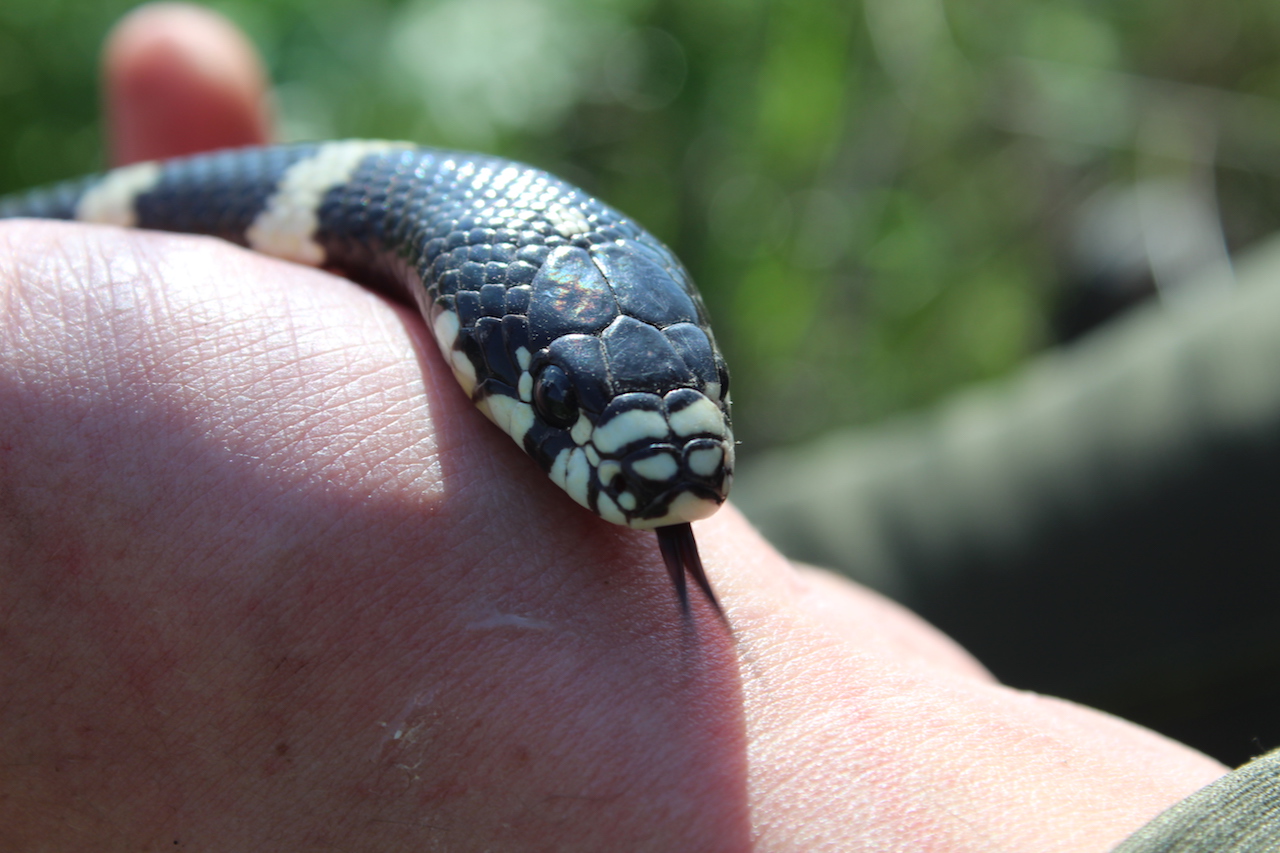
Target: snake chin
<point>646,461</point>
<point>681,506</point>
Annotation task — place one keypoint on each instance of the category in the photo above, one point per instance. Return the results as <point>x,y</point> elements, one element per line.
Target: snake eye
<point>554,398</point>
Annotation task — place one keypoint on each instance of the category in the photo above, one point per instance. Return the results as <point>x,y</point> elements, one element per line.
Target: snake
<point>570,327</point>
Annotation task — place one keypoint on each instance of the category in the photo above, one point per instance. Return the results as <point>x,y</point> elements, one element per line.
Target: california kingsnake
<point>571,328</point>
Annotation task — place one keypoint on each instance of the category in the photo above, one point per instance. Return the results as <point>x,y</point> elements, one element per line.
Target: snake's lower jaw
<point>684,506</point>
<point>692,495</point>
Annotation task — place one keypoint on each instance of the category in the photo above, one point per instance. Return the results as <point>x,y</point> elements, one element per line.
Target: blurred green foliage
<point>877,198</point>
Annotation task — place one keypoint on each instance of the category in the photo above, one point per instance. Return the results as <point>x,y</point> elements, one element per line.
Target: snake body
<point>570,327</point>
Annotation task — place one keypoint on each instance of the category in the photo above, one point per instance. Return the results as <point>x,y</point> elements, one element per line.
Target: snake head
<point>616,386</point>
<point>629,385</point>
<point>646,459</point>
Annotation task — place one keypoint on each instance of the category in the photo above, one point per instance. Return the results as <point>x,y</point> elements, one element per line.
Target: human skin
<point>269,581</point>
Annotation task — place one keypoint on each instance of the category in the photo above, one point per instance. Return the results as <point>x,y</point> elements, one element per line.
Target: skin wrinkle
<point>788,780</point>
<point>757,667</point>
<point>52,393</point>
<point>543,689</point>
<point>369,394</point>
<point>1021,742</point>
<point>880,625</point>
<point>292,381</point>
<point>177,382</point>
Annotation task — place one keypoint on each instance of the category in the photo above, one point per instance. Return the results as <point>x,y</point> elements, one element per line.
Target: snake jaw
<point>680,553</point>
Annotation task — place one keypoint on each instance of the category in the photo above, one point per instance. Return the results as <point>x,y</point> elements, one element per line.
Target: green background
<point>877,199</point>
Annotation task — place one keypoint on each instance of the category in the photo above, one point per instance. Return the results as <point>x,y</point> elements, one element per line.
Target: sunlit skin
<point>264,575</point>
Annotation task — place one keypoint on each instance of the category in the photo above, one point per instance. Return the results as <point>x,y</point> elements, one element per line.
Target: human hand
<point>269,581</point>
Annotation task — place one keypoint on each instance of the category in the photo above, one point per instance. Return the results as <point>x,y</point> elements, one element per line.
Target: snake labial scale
<point>571,327</point>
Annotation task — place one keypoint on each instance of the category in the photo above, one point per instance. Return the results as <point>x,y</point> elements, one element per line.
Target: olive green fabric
<point>1103,526</point>
<point>1240,813</point>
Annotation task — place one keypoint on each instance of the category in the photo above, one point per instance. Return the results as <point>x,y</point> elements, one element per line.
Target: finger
<point>180,79</point>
